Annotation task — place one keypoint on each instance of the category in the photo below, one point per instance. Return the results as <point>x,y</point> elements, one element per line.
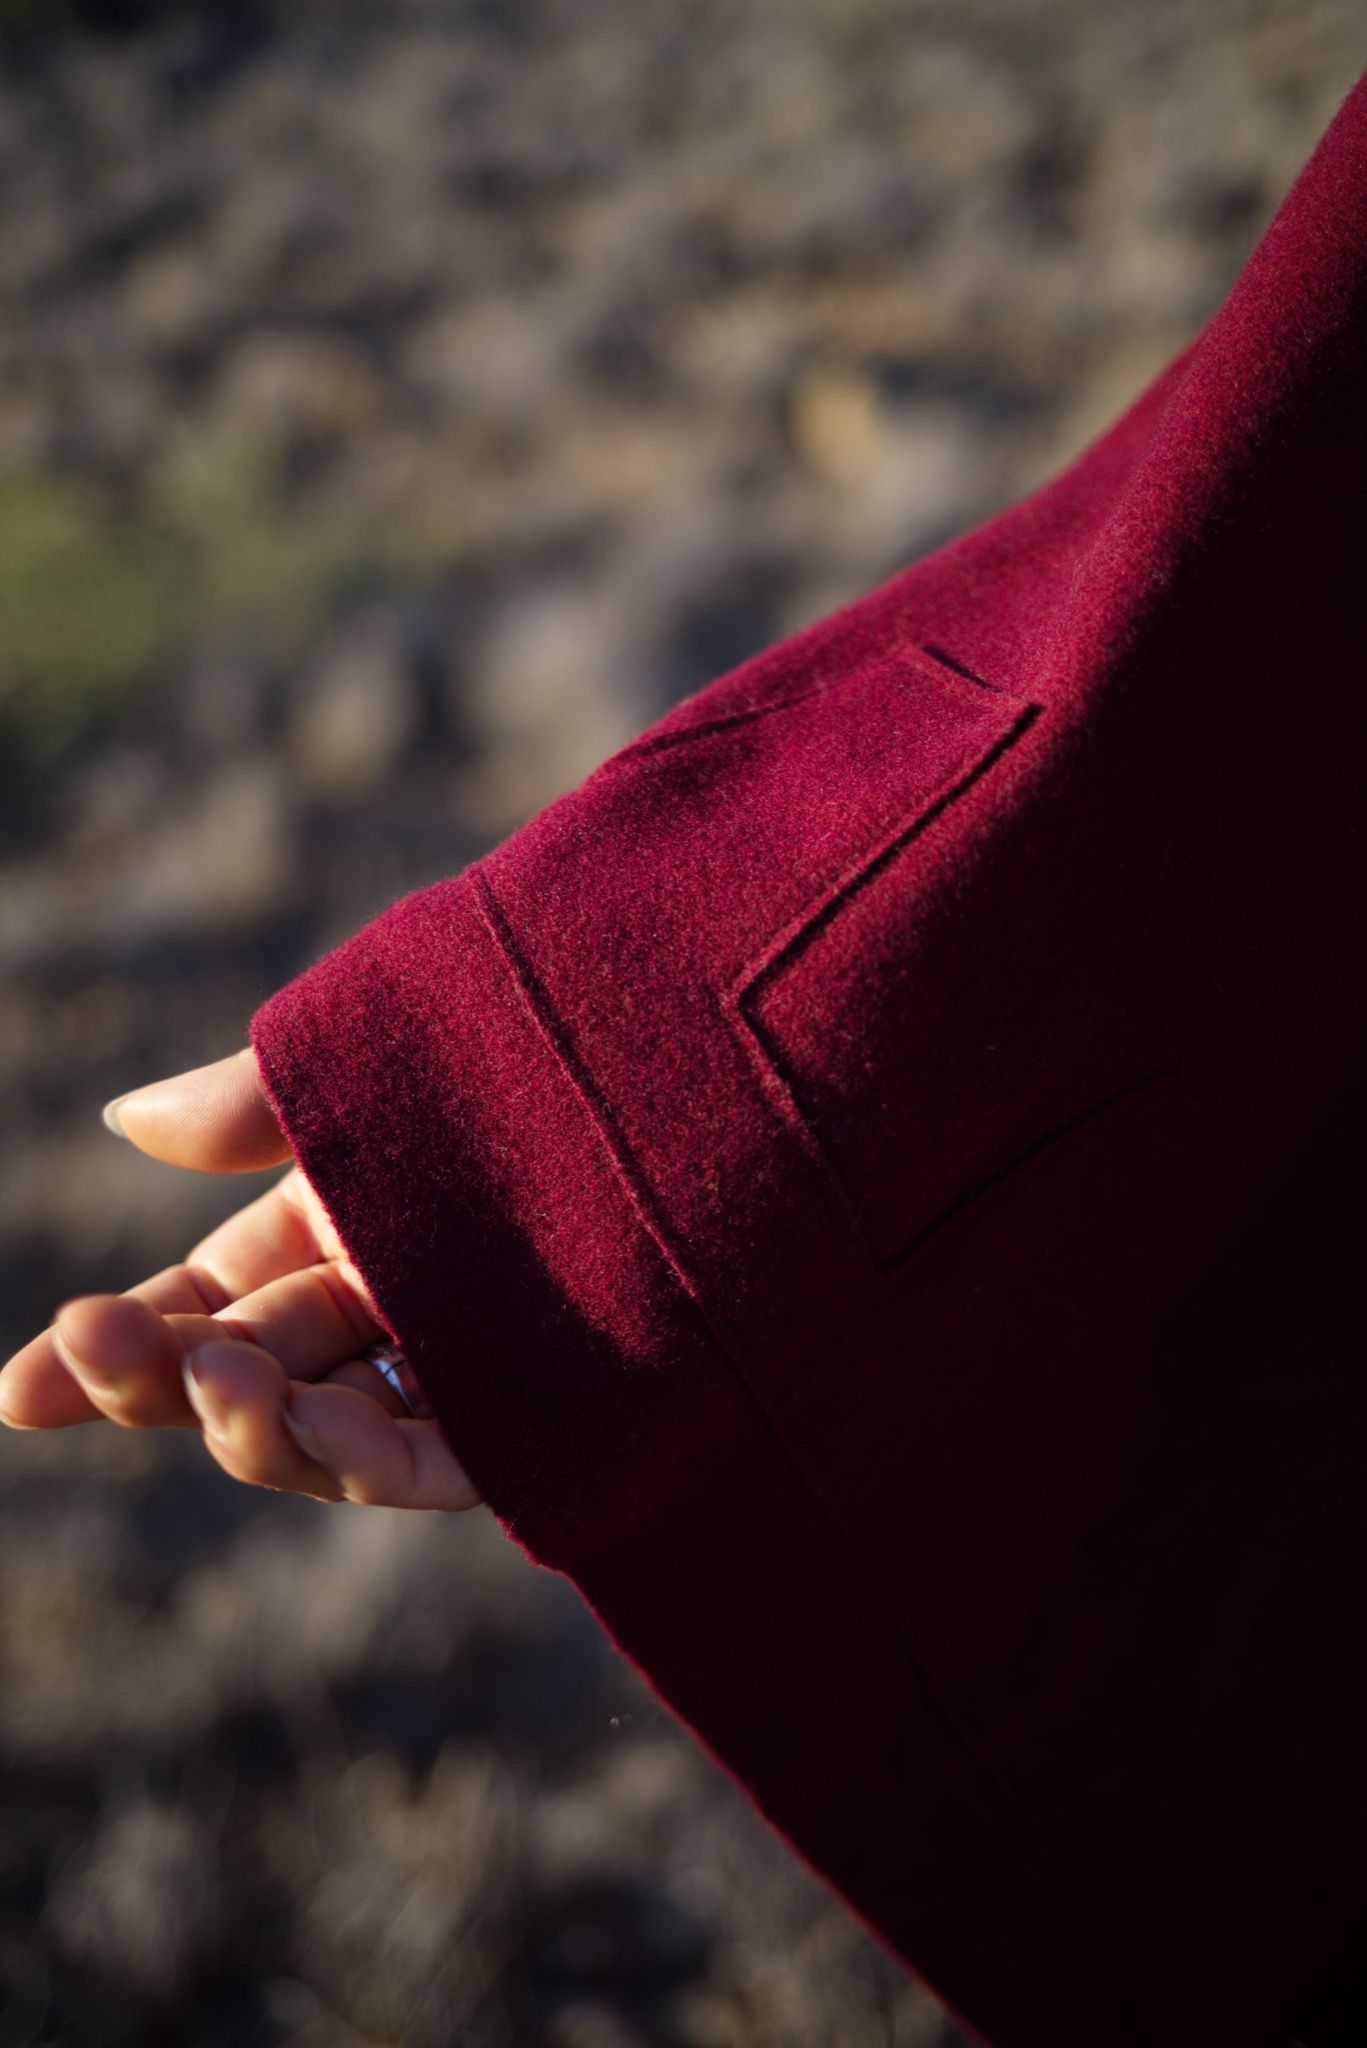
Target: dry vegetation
<point>398,406</point>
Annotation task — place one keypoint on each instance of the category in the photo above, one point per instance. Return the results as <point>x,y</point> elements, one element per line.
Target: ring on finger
<point>390,1363</point>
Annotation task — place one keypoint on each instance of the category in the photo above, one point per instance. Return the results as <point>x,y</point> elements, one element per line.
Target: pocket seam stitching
<point>739,998</point>
<point>935,668</point>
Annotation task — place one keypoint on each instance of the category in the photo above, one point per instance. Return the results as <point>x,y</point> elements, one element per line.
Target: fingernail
<point>208,1404</point>
<point>109,1116</point>
<point>304,1437</point>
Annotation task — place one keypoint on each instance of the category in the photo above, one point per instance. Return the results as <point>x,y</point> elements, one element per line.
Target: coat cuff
<point>420,1095</point>
<point>567,1364</point>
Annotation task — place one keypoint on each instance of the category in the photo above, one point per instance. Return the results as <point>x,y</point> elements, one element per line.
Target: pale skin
<point>255,1339</point>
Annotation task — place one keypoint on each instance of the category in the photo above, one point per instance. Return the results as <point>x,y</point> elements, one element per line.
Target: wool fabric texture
<point>865,1184</point>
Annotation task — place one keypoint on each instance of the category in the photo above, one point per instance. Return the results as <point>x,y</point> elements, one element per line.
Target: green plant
<point>90,607</point>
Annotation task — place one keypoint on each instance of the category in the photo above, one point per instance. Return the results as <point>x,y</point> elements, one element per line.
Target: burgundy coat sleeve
<point>817,1170</point>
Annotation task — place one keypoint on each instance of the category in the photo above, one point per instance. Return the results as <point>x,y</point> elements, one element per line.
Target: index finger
<point>284,1231</point>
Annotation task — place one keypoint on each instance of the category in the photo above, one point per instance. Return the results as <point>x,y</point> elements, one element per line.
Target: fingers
<point>239,1396</point>
<point>345,1438</point>
<point>310,1321</point>
<point>254,1338</point>
<point>125,1359</point>
<point>119,1355</point>
<point>217,1119</point>
<point>38,1392</point>
<point>377,1460</point>
<point>282,1231</point>
<point>332,1442</point>
<point>56,1382</point>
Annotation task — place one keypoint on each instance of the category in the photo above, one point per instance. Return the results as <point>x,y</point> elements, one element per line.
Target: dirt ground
<point>399,407</point>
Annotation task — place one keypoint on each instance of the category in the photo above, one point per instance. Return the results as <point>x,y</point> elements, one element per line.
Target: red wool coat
<point>867,1183</point>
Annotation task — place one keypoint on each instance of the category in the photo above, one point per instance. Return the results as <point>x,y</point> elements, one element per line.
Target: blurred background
<point>401,405</point>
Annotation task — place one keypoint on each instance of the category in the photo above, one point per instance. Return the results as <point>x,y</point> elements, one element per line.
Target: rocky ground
<point>398,407</point>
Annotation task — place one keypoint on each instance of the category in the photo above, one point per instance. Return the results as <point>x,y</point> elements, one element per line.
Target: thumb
<point>216,1118</point>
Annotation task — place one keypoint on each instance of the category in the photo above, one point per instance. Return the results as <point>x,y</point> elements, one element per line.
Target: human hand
<point>256,1339</point>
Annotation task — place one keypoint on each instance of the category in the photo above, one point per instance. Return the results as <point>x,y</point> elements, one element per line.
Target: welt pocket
<point>837,1010</point>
